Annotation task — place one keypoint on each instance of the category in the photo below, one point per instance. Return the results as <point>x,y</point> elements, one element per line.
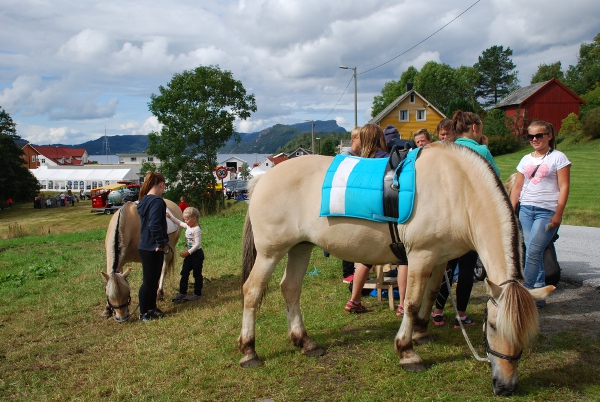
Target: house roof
<point>519,96</point>
<point>399,100</point>
<point>20,143</point>
<point>299,149</point>
<point>59,152</point>
<point>279,159</point>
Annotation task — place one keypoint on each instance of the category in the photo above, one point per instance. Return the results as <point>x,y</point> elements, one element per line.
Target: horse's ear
<point>492,289</point>
<point>541,293</point>
<point>127,272</point>
<point>105,276</point>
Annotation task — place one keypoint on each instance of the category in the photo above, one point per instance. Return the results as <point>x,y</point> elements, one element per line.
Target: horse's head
<point>118,294</point>
<point>511,321</point>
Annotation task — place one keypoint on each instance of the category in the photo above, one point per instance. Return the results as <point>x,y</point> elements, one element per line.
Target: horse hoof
<point>316,352</point>
<point>414,368</point>
<point>252,362</point>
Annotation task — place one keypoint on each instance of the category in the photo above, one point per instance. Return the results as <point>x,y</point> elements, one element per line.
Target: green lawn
<point>583,208</point>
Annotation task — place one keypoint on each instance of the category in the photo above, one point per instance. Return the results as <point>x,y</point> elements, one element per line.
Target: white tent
<point>82,178</point>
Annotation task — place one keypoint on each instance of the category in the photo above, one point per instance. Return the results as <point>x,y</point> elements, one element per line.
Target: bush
<point>570,128</point>
<point>591,124</point>
<point>503,144</point>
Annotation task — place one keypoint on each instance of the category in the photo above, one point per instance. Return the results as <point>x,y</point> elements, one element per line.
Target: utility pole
<point>355,94</point>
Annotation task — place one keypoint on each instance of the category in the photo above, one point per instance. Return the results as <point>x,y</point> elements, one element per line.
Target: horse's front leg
<point>420,331</point>
<point>160,293</point>
<point>413,322</point>
<point>291,287</point>
<point>253,290</point>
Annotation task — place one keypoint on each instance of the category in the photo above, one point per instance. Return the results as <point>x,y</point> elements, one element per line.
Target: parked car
<point>241,186</point>
<point>229,186</point>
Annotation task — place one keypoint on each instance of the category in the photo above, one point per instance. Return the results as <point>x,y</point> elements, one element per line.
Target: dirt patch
<point>571,307</point>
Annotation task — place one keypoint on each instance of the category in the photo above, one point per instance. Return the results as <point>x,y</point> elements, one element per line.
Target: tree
<point>245,172</point>
<point>392,90</point>
<point>197,110</point>
<point>583,76</point>
<point>329,147</point>
<point>467,79</point>
<point>546,72</point>
<point>496,74</point>
<point>438,84</point>
<point>16,181</point>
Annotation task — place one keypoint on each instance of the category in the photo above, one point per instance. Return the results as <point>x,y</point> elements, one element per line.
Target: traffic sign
<point>221,172</point>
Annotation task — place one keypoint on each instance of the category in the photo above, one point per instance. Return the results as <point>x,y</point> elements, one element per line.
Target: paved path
<point>578,251</point>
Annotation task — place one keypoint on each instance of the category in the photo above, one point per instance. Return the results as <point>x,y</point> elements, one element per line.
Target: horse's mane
<point>494,186</point>
<point>517,317</point>
<point>119,245</point>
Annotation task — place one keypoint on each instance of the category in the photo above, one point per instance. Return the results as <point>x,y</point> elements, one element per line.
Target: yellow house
<point>410,112</point>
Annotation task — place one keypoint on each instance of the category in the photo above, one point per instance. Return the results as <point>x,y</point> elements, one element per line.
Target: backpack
<point>551,266</point>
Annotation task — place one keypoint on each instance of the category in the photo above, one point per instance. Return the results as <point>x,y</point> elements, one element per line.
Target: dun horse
<point>121,243</point>
<point>460,205</point>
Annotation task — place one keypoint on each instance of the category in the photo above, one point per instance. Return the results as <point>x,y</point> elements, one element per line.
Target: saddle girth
<point>390,198</point>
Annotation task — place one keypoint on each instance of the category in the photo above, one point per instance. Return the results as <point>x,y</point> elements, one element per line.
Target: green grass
<point>54,345</point>
<point>583,208</point>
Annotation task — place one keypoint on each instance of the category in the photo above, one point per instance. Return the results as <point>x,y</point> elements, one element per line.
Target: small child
<point>193,256</point>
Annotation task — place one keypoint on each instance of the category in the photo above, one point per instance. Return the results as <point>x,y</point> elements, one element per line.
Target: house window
<point>33,158</point>
<point>75,185</point>
<point>81,185</point>
<point>403,116</point>
<point>69,184</point>
<point>412,98</point>
<point>133,159</point>
<point>150,159</point>
<point>43,160</point>
<point>421,115</point>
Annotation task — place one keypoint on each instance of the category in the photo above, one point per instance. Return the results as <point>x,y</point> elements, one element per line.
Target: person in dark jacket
<point>153,242</point>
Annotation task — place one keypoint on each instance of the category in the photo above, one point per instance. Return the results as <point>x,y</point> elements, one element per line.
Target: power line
<point>338,101</point>
<point>406,51</point>
<point>402,54</point>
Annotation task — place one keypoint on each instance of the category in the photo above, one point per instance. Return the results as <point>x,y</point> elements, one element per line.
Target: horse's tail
<point>249,250</point>
<point>517,318</point>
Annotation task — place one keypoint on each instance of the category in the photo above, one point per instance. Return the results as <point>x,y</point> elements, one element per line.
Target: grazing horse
<point>459,205</point>
<point>121,243</point>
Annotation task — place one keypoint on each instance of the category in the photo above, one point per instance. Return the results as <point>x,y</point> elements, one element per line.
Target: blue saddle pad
<point>353,187</point>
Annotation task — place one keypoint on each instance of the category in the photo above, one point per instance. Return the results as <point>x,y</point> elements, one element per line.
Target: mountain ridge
<point>265,141</point>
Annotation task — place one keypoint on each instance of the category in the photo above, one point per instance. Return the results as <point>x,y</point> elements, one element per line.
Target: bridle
<point>488,349</point>
<point>126,304</point>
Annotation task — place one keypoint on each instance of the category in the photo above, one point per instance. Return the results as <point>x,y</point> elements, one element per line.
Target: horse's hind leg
<point>291,287</point>
<point>253,290</point>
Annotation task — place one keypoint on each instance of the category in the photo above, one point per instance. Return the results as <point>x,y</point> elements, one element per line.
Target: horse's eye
<point>492,326</point>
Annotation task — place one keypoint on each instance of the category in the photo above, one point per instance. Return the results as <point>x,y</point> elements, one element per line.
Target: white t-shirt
<point>541,190</point>
<point>193,236</point>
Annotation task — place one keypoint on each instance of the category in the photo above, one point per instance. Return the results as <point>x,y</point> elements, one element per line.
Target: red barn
<point>551,101</point>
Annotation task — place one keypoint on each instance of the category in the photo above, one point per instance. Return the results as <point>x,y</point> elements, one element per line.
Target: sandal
<point>400,311</point>
<point>438,319</point>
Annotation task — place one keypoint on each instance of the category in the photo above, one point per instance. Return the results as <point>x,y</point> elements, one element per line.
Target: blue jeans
<point>534,221</point>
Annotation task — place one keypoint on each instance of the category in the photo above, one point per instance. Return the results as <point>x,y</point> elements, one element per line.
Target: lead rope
<point>475,355</point>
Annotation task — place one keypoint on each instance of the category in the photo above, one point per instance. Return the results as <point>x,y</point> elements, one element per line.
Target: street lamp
<point>318,139</point>
<point>312,143</point>
<point>355,95</point>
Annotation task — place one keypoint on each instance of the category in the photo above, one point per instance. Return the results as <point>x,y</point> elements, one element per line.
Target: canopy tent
<point>81,178</point>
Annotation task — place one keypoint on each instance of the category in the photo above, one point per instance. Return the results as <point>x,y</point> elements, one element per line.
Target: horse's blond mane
<point>517,317</point>
<point>487,178</point>
<point>116,285</point>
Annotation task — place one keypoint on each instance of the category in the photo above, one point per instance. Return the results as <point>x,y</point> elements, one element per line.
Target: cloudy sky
<point>68,69</point>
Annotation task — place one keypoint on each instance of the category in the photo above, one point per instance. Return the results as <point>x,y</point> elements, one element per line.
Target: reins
<point>488,349</point>
<point>462,328</point>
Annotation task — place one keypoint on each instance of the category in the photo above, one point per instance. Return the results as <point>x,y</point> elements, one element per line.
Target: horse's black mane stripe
<point>116,245</point>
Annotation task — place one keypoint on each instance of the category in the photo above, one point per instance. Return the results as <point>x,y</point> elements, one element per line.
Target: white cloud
<point>87,46</point>
<point>95,64</point>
